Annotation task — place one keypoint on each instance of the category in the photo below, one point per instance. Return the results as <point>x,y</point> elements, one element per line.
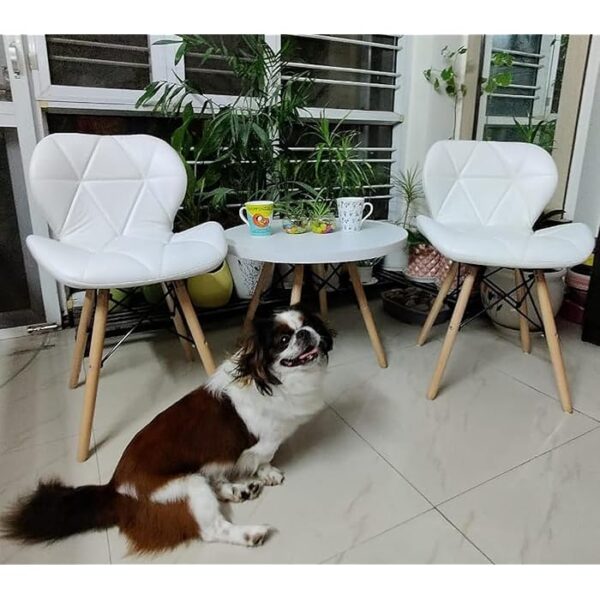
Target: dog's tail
<point>55,511</point>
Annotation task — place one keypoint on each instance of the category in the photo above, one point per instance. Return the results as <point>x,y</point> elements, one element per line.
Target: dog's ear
<point>253,360</point>
<point>313,320</point>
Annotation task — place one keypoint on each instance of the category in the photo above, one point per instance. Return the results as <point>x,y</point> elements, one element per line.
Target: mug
<point>350,212</point>
<point>259,215</point>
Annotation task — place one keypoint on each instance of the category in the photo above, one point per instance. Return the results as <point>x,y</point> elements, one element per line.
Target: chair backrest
<point>505,184</point>
<point>94,188</point>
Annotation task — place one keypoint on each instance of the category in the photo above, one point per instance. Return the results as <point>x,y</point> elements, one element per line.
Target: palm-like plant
<point>236,152</point>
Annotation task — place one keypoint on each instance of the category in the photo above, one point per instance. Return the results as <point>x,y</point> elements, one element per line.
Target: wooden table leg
<point>523,322</point>
<point>81,337</point>
<point>297,286</point>
<point>265,274</point>
<point>323,308</point>
<point>455,321</point>
<point>438,303</point>
<point>553,341</point>
<point>179,324</point>
<point>189,314</point>
<point>366,315</point>
<point>91,384</point>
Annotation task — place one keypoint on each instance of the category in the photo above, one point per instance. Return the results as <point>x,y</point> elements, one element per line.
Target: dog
<point>215,444</point>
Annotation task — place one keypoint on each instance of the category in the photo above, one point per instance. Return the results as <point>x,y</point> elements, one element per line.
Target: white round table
<point>373,240</point>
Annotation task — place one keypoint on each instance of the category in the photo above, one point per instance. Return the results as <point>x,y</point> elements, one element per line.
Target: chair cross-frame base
<point>523,290</point>
<point>93,317</point>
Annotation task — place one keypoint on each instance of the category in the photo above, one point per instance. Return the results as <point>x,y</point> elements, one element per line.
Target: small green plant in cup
<point>295,217</point>
<point>322,218</point>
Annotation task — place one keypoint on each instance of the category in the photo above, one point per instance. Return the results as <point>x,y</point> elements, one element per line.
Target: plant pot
<point>503,314</point>
<point>120,299</point>
<point>398,259</point>
<point>245,275</point>
<point>365,274</point>
<point>322,225</point>
<point>426,264</point>
<point>412,305</point>
<point>153,294</point>
<point>211,290</point>
<point>296,226</point>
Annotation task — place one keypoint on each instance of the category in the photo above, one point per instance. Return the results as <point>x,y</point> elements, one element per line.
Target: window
<point>356,78</point>
<point>536,71</point>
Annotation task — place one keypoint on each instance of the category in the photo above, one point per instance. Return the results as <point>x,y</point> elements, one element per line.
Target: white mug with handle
<point>350,212</point>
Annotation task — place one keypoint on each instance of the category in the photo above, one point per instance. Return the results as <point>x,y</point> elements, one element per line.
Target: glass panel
<point>521,43</point>
<point>104,61</point>
<point>5,93</point>
<point>517,107</point>
<point>340,54</point>
<point>15,289</point>
<point>501,133</point>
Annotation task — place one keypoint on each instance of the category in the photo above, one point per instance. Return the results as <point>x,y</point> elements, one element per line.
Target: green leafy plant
<point>236,152</point>
<point>410,189</point>
<point>336,168</point>
<point>447,80</point>
<point>540,133</point>
<point>320,209</point>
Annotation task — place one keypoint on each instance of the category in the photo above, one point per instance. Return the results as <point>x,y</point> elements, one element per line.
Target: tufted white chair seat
<point>110,202</point>
<point>550,248</point>
<point>484,198</point>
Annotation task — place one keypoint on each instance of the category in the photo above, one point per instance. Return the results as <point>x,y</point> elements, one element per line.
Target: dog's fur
<point>214,444</point>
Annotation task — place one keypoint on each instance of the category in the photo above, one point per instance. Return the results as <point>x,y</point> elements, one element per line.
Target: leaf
<point>503,79</point>
<point>436,84</point>
<point>451,89</point>
<point>427,74</point>
<point>447,74</point>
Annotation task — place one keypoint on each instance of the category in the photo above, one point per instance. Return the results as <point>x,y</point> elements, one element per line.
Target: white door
<point>28,295</point>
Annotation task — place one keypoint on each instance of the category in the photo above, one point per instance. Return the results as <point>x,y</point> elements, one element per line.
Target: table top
<point>373,240</point>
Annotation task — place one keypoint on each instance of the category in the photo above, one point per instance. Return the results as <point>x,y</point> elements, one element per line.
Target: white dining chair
<point>110,202</point>
<point>484,198</point>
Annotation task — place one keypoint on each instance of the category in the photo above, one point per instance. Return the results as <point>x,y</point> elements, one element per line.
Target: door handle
<point>13,57</point>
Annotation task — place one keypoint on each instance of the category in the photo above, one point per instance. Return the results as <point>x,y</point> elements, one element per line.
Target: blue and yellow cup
<point>259,215</point>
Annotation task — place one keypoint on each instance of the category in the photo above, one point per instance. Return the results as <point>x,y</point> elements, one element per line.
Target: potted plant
<point>410,189</point>
<point>322,217</point>
<point>295,216</point>
<point>365,270</point>
<point>235,152</point>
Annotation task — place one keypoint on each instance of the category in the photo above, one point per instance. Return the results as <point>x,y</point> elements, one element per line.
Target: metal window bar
<point>524,64</point>
<point>320,67</point>
<point>90,44</point>
<point>100,61</point>
<point>387,86</point>
<point>523,96</point>
<point>343,40</point>
<point>519,53</point>
<point>359,148</point>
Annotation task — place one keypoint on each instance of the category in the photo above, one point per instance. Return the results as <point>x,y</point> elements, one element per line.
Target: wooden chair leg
<point>265,274</point>
<point>523,322</point>
<point>179,324</point>
<point>91,384</point>
<point>366,315</point>
<point>323,308</point>
<point>553,341</point>
<point>191,319</point>
<point>437,304</point>
<point>455,321</point>
<point>297,286</point>
<point>81,337</point>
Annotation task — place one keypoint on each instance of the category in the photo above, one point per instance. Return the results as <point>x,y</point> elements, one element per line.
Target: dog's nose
<point>304,335</point>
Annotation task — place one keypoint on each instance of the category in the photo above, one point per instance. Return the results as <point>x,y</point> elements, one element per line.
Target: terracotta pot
<point>426,264</point>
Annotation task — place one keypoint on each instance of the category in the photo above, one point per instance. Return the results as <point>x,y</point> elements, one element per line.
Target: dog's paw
<point>270,475</point>
<point>255,535</point>
<point>240,491</point>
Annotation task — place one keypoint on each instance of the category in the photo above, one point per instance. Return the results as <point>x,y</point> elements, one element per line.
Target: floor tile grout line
<point>432,505</point>
<point>407,480</point>
<point>463,534</point>
<point>380,533</point>
<point>110,562</point>
<point>517,466</point>
<point>37,351</point>
<point>532,387</point>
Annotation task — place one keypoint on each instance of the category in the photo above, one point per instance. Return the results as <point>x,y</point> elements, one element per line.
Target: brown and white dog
<point>214,444</point>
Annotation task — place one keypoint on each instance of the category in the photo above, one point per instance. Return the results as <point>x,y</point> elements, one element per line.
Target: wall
<point>429,115</point>
<point>583,192</point>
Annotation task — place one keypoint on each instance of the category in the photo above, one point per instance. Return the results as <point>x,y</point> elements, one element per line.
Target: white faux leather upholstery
<point>110,202</point>
<point>484,198</point>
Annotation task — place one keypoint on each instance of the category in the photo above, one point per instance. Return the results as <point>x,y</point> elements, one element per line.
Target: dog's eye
<point>284,340</point>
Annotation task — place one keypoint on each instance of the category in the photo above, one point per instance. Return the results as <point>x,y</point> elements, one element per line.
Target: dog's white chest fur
<point>274,417</point>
